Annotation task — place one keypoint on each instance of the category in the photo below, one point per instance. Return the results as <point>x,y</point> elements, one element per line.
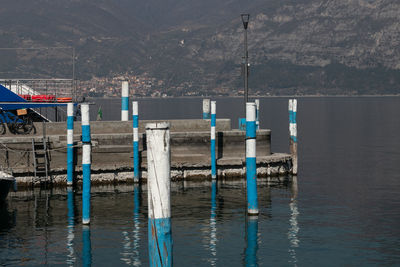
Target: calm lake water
<point>343,208</point>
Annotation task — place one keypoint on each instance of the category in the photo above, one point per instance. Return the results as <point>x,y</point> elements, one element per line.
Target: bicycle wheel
<point>23,127</point>
<point>2,128</point>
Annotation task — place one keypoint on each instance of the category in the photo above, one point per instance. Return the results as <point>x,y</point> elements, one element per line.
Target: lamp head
<point>245,20</point>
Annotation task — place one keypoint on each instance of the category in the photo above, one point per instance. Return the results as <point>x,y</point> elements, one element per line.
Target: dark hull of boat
<point>5,186</point>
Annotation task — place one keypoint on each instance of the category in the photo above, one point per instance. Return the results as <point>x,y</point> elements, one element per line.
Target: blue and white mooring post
<point>213,124</point>
<point>135,118</point>
<point>86,164</point>
<point>293,135</point>
<point>251,168</point>
<point>70,143</point>
<point>125,101</point>
<point>206,109</point>
<point>159,190</point>
<point>257,101</point>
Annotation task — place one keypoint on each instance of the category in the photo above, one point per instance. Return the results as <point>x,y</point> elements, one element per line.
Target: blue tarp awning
<point>11,101</point>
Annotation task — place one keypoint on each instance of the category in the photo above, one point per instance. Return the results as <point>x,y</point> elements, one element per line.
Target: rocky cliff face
<point>295,46</point>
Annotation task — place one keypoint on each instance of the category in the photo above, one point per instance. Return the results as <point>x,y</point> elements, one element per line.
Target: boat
<point>6,182</point>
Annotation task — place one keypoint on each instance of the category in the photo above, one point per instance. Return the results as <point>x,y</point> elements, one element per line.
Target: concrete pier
<point>112,152</point>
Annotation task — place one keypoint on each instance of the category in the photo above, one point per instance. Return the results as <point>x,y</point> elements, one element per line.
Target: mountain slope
<point>295,46</point>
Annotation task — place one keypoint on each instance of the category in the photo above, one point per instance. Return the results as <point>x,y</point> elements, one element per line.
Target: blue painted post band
<point>206,116</point>
<point>70,122</point>
<point>250,129</point>
<point>135,118</point>
<point>86,194</point>
<point>85,133</point>
<point>136,167</point>
<point>70,164</point>
<point>213,120</point>
<point>213,160</point>
<point>160,242</point>
<point>251,167</point>
<point>87,247</point>
<point>252,200</point>
<point>252,241</point>
<point>125,103</point>
<point>213,125</point>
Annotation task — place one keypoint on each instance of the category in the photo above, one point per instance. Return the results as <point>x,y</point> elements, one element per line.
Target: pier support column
<point>206,109</point>
<point>213,124</point>
<point>251,168</point>
<point>257,101</point>
<point>159,203</point>
<point>86,164</point>
<point>135,118</point>
<point>70,143</point>
<point>125,101</point>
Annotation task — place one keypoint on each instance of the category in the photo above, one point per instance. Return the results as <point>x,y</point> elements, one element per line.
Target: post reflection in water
<point>130,254</point>
<point>293,221</point>
<point>252,241</point>
<point>87,246</point>
<point>213,224</point>
<point>71,218</point>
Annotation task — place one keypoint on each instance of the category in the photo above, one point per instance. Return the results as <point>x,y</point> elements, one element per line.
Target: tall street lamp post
<point>245,20</point>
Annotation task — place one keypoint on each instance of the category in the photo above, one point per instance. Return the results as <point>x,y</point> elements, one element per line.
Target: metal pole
<point>246,71</point>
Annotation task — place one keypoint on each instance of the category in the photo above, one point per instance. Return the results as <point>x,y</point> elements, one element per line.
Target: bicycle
<point>19,123</point>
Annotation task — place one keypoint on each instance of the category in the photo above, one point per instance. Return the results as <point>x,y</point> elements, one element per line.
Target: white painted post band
<point>125,101</point>
<point>70,143</point>
<point>206,109</point>
<point>257,101</point>
<point>135,119</point>
<point>251,167</point>
<point>159,189</point>
<point>213,124</point>
<point>86,164</point>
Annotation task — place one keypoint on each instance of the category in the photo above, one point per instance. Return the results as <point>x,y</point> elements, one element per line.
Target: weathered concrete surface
<point>60,128</point>
<point>112,153</point>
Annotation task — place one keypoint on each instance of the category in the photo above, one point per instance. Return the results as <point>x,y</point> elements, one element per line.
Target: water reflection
<point>87,246</point>
<point>293,221</point>
<point>7,218</point>
<point>71,231</point>
<point>213,224</point>
<point>130,254</point>
<point>251,241</point>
